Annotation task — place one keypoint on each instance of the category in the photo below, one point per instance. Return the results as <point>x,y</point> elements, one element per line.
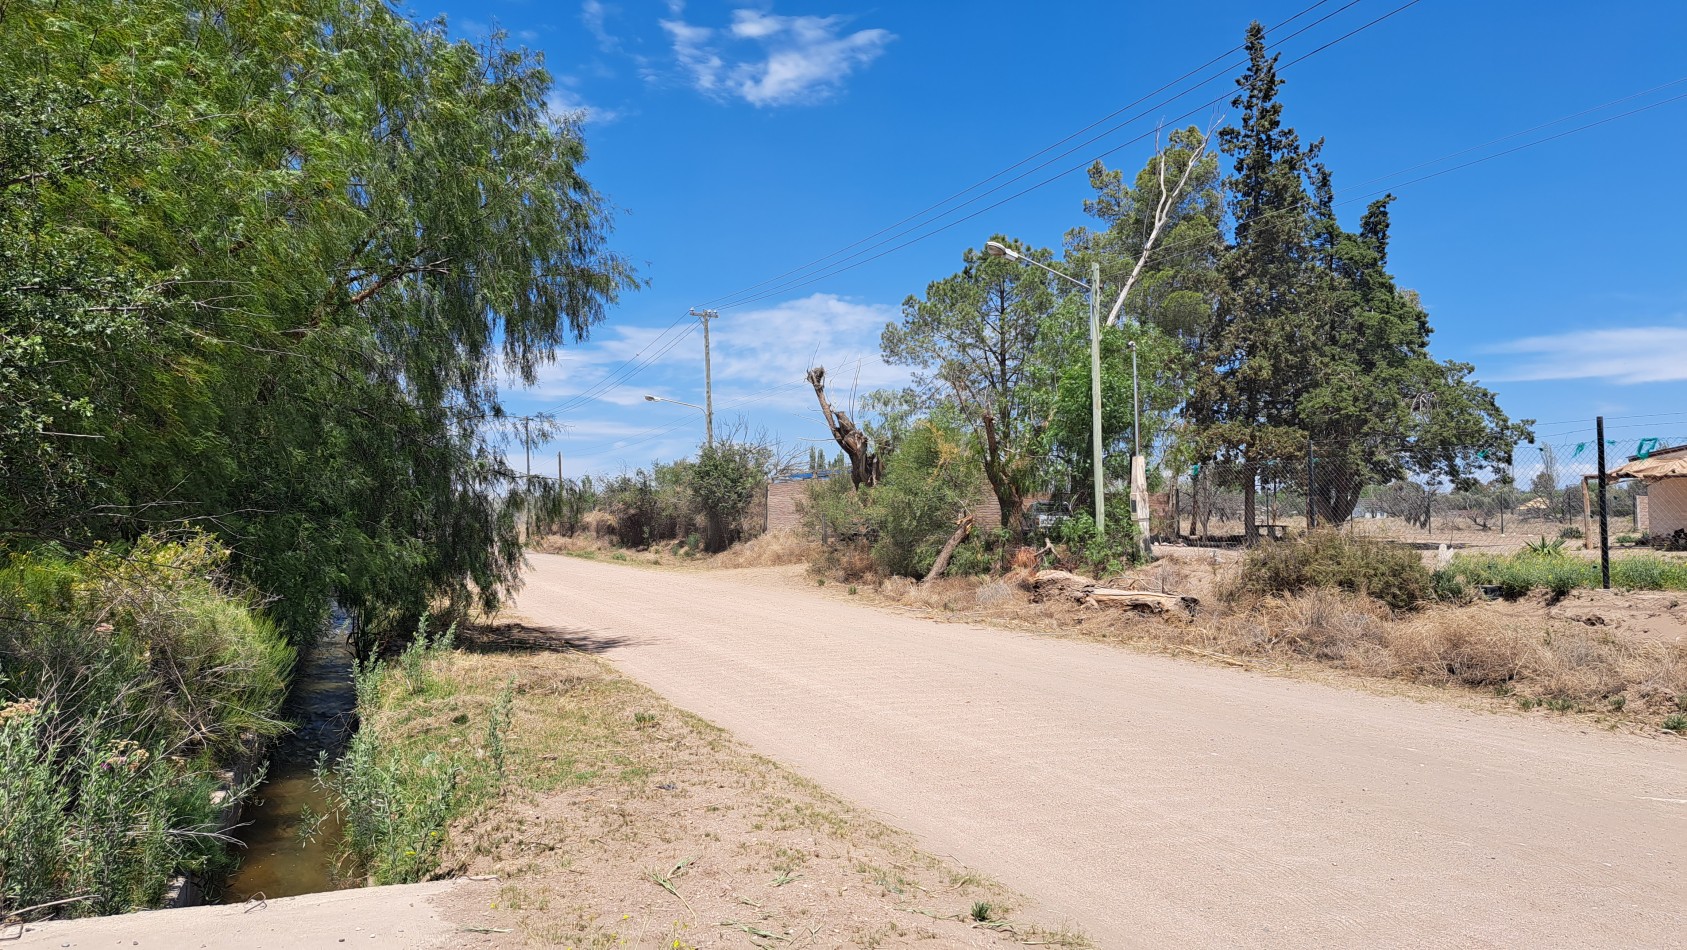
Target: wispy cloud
<point>564,101</point>
<point>594,14</point>
<point>1623,355</point>
<point>793,59</point>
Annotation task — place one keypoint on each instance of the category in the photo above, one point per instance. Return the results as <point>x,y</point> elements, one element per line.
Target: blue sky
<point>741,141</point>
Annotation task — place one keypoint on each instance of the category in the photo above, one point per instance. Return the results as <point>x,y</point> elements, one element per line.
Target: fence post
<point>1311,509</point>
<point>1604,520</point>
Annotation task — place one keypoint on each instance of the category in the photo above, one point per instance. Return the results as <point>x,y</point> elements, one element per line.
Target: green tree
<point>986,340</point>
<point>332,231</point>
<point>1160,233</point>
<point>1312,347</point>
<point>725,480</point>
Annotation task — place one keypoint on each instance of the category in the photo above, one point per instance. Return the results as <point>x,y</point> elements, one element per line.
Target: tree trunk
<point>865,466</point>
<point>1007,493</point>
<point>962,529</point>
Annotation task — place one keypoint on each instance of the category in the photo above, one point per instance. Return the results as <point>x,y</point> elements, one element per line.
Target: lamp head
<point>649,398</point>
<point>998,249</point>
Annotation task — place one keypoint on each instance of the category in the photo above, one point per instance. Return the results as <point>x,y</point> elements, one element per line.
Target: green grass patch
<point>414,766</point>
<point>1516,575</point>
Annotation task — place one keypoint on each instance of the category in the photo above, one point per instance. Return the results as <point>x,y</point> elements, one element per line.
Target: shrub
<point>927,482</point>
<point>1101,555</point>
<point>128,679</point>
<point>1331,559</point>
<point>1571,533</point>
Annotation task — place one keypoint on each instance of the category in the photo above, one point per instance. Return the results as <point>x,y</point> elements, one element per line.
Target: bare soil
<point>633,824</point>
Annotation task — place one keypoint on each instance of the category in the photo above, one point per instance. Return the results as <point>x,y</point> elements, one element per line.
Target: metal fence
<point>1549,489</point>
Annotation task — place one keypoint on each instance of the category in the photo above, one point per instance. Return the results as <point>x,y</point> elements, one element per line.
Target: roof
<point>1664,463</point>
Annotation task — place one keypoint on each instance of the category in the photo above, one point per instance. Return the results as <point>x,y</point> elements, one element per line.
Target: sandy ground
<point>1161,803</point>
<point>373,918</point>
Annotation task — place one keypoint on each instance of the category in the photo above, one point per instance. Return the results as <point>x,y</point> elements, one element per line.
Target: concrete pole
<point>708,385</point>
<point>1095,397</point>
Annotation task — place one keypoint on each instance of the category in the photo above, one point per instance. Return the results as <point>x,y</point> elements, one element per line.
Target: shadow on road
<point>527,637</point>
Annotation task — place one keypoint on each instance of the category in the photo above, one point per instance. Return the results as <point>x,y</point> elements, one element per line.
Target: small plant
<point>498,725</point>
<point>619,555</point>
<point>820,582</point>
<point>1545,548</point>
<point>1676,723</point>
<point>644,720</point>
<point>852,589</point>
<point>1571,533</point>
<point>1617,703</point>
<point>982,911</point>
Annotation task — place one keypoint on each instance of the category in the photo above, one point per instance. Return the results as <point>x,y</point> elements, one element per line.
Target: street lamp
<point>710,438</point>
<point>1093,288</point>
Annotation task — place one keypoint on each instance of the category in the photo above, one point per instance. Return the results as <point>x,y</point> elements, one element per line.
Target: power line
<point>836,270</point>
<point>984,181</point>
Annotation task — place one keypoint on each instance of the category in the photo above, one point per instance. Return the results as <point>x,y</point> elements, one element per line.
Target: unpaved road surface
<point>1155,802</point>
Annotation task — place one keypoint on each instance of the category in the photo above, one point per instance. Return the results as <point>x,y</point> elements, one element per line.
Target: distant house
<point>1665,475</point>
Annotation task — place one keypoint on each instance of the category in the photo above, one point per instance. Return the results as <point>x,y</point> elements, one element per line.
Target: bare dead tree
<point>1163,209</point>
<point>865,466</point>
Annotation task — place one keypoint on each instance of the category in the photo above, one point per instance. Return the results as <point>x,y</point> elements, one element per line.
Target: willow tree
<point>347,229</point>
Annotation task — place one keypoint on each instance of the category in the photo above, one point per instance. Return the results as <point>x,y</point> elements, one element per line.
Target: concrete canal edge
<point>398,916</point>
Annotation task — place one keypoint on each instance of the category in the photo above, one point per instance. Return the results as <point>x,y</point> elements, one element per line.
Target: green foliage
<point>928,482</point>
<point>1313,342</point>
<point>1544,548</point>
<point>266,279</point>
<point>985,341</point>
<point>1570,533</point>
<point>1110,553</point>
<point>724,482</point>
<point>396,795</point>
<point>1333,559</point>
<point>126,681</point>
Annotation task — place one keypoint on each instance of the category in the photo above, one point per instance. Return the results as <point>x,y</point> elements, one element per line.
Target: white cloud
<point>1623,355</point>
<point>798,58</point>
<point>562,101</point>
<point>593,13</point>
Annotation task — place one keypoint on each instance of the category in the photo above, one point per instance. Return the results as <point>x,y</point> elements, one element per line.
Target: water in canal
<point>323,711</point>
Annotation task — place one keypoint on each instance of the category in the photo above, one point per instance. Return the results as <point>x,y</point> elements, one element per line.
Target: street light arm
<point>998,249</point>
<point>650,398</point>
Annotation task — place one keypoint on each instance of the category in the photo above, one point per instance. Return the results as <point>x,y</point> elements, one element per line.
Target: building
<point>1665,474</point>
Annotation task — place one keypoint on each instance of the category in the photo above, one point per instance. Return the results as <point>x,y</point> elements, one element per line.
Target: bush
<point>1571,533</point>
<point>395,791</point>
<point>126,681</point>
<point>927,482</point>
<point>1330,559</point>
<point>1101,555</point>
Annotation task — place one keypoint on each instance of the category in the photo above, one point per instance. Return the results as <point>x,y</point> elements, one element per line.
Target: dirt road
<point>1155,802</point>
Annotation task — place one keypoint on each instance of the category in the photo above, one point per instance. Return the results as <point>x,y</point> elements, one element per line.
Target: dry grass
<point>772,549</point>
<point>630,823</point>
<point>1524,661</point>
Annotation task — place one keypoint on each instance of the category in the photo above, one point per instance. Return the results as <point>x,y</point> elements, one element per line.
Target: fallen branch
<point>962,529</point>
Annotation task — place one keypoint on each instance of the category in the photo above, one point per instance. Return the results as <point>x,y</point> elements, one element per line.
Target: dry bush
<point>599,524</point>
<point>571,543</point>
<point>846,561</point>
<point>787,546</point>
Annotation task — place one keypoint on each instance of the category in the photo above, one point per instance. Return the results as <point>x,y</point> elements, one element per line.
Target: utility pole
<point>1095,398</point>
<point>708,380</point>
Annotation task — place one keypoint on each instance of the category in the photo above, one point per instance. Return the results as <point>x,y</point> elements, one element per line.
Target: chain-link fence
<point>1549,489</point>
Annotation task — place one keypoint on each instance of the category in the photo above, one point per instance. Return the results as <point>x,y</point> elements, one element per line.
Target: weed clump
<point>1331,559</point>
